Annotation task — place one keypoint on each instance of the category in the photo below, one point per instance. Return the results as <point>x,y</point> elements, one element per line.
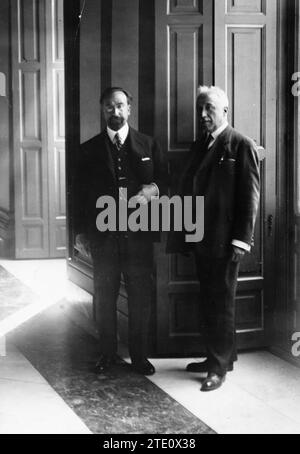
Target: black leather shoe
<point>143,367</point>
<point>203,367</point>
<point>212,382</point>
<point>103,363</point>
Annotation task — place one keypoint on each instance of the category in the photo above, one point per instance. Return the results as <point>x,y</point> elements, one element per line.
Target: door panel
<point>184,60</point>
<point>245,51</point>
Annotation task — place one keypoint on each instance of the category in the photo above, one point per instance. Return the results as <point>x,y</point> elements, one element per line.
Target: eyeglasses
<point>111,108</point>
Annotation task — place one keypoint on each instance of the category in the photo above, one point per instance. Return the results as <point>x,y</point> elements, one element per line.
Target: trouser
<point>218,283</point>
<point>132,257</point>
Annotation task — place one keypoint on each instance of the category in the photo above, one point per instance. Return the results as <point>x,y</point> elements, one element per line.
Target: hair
<point>205,90</point>
<point>110,90</point>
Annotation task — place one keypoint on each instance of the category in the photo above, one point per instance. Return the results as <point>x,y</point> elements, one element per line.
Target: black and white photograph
<point>149,219</point>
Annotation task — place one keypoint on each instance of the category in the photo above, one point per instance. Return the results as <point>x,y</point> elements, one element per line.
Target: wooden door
<point>38,128</point>
<point>184,60</point>
<point>56,127</point>
<point>240,57</point>
<point>296,189</point>
<point>246,67</point>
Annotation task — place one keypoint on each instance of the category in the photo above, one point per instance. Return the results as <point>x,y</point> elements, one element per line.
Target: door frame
<point>286,305</point>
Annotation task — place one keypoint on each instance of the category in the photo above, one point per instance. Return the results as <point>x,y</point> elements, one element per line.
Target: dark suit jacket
<point>95,177</point>
<point>228,178</point>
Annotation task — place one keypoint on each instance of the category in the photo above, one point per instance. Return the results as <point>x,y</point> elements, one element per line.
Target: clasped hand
<point>146,193</point>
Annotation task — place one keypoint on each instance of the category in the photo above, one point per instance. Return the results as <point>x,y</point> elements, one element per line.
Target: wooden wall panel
<point>5,112</point>
<point>183,81</point>
<point>30,88</point>
<point>245,6</point>
<point>245,65</point>
<point>31,177</point>
<point>249,311</point>
<point>185,6</point>
<point>59,104</point>
<point>182,268</point>
<point>183,61</point>
<point>146,108</point>
<point>57,31</point>
<point>181,325</point>
<point>59,167</point>
<point>125,51</point>
<point>91,47</point>
<point>29,30</point>
<point>245,68</point>
<point>33,237</point>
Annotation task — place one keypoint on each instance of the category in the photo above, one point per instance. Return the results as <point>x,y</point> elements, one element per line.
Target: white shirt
<point>216,134</point>
<point>123,133</point>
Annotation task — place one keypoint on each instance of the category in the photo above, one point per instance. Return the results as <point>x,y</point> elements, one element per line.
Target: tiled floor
<point>262,395</point>
<point>28,403</point>
<point>261,399</point>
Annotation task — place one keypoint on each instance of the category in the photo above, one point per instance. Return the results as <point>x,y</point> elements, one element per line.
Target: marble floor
<point>29,405</point>
<point>262,395</point>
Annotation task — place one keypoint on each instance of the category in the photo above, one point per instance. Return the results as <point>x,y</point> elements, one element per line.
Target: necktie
<point>200,178</point>
<point>117,142</point>
<point>209,139</point>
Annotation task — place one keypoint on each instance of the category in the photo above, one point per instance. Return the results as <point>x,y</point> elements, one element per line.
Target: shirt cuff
<point>241,245</point>
<point>157,190</point>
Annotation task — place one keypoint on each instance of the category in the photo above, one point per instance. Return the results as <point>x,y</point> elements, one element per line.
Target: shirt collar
<point>218,131</point>
<point>123,133</point>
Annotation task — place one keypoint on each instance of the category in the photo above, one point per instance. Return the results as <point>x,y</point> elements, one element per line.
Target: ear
<point>129,109</point>
<point>226,110</point>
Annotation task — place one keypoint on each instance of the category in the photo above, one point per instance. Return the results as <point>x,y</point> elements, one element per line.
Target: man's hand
<point>237,253</point>
<point>146,193</point>
<point>83,244</point>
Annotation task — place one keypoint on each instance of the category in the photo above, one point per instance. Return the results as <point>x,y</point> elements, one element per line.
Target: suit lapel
<point>138,149</point>
<point>221,144</point>
<point>136,146</point>
<point>216,153</point>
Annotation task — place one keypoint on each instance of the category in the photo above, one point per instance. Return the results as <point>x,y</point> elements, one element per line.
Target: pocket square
<point>145,159</point>
<point>223,160</point>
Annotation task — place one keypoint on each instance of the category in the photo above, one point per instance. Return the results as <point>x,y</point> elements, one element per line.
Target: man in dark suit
<point>223,167</point>
<point>120,163</point>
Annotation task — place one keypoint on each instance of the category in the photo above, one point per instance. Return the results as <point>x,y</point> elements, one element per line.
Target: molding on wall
<point>285,354</point>
<point>6,232</point>
<point>5,221</point>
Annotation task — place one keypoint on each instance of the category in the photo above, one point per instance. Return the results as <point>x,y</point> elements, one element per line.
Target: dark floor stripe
<point>121,402</point>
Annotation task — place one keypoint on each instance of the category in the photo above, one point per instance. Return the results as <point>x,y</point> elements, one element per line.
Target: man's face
<point>116,110</point>
<point>211,112</point>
